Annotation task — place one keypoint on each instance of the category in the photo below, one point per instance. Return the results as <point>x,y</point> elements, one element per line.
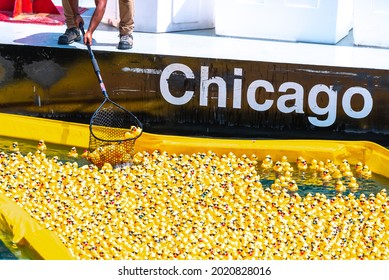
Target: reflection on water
<point>309,182</point>
<point>20,252</point>
<point>26,146</point>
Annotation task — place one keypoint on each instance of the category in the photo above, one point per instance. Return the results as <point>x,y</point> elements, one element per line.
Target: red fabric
<point>28,6</point>
<point>36,18</point>
<point>21,6</point>
<point>7,5</point>
<point>44,6</point>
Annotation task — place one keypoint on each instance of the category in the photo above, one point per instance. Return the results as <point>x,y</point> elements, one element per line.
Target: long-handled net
<point>113,129</point>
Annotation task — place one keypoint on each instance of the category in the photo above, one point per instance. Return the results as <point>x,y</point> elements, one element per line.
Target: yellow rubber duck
<point>336,173</point>
<point>287,167</point>
<point>133,133</point>
<point>93,157</point>
<point>41,146</point>
<point>73,153</point>
<point>292,186</point>
<point>284,159</point>
<point>358,168</point>
<point>353,184</point>
<point>366,172</point>
<point>325,175</point>
<point>347,172</point>
<point>320,167</point>
<point>14,147</point>
<point>276,185</point>
<point>344,165</point>
<point>329,164</point>
<point>277,167</point>
<point>267,163</point>
<point>339,186</point>
<point>299,159</point>
<point>302,165</point>
<point>313,167</point>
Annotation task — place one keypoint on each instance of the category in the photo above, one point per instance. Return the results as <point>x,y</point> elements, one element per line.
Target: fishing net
<point>113,132</point>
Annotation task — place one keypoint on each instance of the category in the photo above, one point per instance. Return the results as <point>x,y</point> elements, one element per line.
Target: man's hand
<point>88,38</point>
<point>78,19</point>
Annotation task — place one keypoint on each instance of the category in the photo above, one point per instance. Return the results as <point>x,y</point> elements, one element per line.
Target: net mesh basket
<point>113,132</point>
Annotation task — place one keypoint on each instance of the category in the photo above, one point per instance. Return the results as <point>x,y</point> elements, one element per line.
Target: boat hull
<point>198,96</point>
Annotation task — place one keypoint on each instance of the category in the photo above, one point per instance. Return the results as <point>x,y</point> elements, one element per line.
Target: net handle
<point>95,65</point>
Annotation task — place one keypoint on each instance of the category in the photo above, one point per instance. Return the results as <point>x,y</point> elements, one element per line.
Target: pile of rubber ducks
<point>113,152</point>
<point>341,177</point>
<point>201,206</point>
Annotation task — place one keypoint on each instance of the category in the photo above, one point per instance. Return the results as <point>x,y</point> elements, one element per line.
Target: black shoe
<point>71,35</point>
<point>125,42</point>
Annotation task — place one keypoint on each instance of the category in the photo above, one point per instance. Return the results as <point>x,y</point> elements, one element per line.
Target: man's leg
<point>126,25</point>
<point>72,33</point>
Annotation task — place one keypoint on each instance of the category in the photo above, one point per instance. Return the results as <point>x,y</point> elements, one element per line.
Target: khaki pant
<point>126,10</point>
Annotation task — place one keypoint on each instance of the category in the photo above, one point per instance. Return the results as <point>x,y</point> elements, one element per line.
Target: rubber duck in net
<point>133,133</point>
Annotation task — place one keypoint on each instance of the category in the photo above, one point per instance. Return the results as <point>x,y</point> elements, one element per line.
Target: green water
<point>20,252</point>
<point>26,146</point>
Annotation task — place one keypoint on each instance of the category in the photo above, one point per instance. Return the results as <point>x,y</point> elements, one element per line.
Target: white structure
<point>371,23</point>
<point>159,16</point>
<point>316,21</point>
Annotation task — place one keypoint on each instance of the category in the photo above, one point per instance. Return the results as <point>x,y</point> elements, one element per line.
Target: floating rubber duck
<point>284,159</point>
<point>353,184</point>
<point>314,166</point>
<point>299,159</point>
<point>287,167</point>
<point>277,167</point>
<point>358,168</point>
<point>330,165</point>
<point>320,166</point>
<point>14,147</point>
<point>366,172</point>
<point>325,175</point>
<point>292,186</point>
<point>336,173</point>
<point>73,153</point>
<point>41,146</point>
<point>344,165</point>
<point>85,154</point>
<point>276,185</point>
<point>267,163</point>
<point>347,171</point>
<point>339,186</point>
<point>302,165</point>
